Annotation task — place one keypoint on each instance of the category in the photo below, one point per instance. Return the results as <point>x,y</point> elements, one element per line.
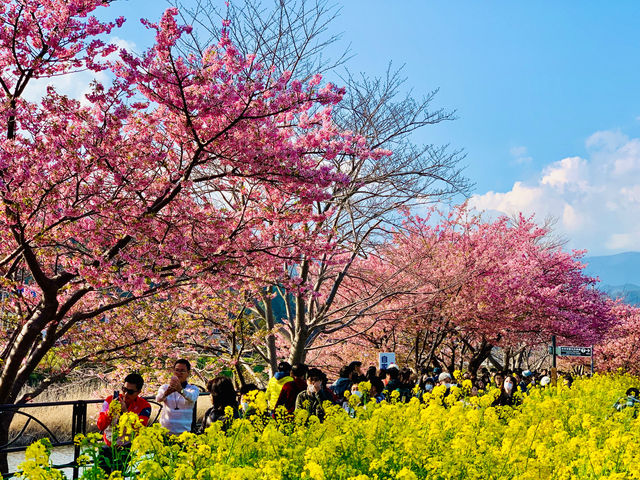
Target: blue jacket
<point>340,386</point>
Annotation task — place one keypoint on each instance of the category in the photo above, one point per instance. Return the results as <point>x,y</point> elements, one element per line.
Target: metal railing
<point>78,425</point>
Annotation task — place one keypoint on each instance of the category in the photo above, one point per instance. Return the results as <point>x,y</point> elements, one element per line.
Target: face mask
<point>428,387</point>
<point>508,386</point>
<point>245,406</point>
<point>357,393</point>
<point>311,389</point>
<point>448,385</point>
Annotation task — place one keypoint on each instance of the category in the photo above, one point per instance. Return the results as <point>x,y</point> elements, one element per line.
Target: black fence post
<point>78,425</point>
<point>194,418</point>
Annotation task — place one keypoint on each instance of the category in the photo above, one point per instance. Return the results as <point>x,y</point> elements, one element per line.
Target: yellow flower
<point>36,463</point>
<point>315,471</point>
<point>365,387</point>
<point>228,412</point>
<point>204,451</point>
<point>564,433</point>
<point>467,385</point>
<point>406,474</point>
<point>115,408</point>
<point>128,424</point>
<point>354,401</point>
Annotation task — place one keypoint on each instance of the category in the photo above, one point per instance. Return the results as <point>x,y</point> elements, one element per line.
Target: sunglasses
<point>128,390</point>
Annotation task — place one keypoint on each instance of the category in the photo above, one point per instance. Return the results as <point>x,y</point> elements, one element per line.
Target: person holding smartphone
<point>130,401</point>
<point>178,398</point>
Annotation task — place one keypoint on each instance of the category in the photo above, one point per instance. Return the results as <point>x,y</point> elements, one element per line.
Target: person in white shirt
<point>178,398</point>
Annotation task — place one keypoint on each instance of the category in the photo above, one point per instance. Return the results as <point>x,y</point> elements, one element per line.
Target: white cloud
<point>75,85</point>
<point>568,172</point>
<point>631,194</point>
<point>623,241</point>
<point>571,219</point>
<point>606,140</point>
<point>520,154</point>
<point>594,199</point>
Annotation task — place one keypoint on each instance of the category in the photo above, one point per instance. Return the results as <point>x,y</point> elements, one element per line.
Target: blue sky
<point>546,94</point>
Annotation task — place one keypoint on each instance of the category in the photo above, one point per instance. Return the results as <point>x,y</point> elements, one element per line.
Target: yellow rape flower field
<point>557,433</point>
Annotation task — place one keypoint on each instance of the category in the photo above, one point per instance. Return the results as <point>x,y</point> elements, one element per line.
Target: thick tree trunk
<point>479,356</point>
<point>272,354</point>
<point>451,365</point>
<point>301,333</point>
<point>507,358</point>
<point>5,423</point>
<point>494,361</point>
<point>239,374</point>
<point>520,358</point>
<point>416,360</point>
<point>298,352</point>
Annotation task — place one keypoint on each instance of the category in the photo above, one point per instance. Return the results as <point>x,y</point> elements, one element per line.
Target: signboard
<point>572,351</point>
<point>385,359</point>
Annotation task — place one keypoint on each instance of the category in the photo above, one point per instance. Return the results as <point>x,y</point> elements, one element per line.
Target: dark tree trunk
<point>5,423</point>
<point>479,356</point>
<point>271,338</point>
<point>298,353</point>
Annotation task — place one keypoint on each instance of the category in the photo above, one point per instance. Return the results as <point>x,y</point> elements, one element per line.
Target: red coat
<point>289,393</point>
<point>139,406</point>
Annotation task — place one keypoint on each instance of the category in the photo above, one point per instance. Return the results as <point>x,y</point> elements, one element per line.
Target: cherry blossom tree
<point>294,36</point>
<point>618,349</point>
<point>474,285</point>
<point>180,169</point>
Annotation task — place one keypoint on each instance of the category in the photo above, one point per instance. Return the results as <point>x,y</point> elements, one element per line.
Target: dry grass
<point>58,419</point>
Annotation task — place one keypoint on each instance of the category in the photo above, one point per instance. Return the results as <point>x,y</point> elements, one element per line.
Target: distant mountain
<point>629,293</point>
<point>618,269</point>
<point>619,275</point>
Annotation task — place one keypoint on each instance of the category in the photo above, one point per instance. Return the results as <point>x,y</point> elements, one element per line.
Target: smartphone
<point>116,395</point>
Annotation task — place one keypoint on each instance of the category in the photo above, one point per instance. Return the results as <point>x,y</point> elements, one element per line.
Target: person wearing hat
<point>526,378</point>
<point>279,379</point>
<point>445,379</point>
<point>436,371</point>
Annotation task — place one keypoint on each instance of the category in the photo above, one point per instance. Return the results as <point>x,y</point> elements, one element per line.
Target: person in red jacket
<point>290,390</point>
<point>130,401</point>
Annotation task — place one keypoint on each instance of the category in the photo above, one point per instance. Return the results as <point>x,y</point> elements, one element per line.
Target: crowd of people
<point>298,387</point>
